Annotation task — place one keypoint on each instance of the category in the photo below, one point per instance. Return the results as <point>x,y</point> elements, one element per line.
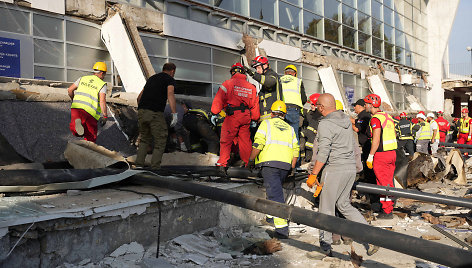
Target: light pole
<point>470,50</point>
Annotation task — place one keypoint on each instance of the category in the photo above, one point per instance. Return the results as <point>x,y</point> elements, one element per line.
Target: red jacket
<point>443,124</point>
<point>235,92</point>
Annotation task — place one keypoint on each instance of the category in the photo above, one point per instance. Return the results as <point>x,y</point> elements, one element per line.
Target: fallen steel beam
<point>449,144</point>
<point>428,250</point>
<point>413,194</point>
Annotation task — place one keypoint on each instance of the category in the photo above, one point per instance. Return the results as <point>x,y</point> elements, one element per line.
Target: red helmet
<point>259,60</point>
<point>403,114</point>
<point>314,98</point>
<point>422,112</point>
<point>465,111</point>
<point>237,67</point>
<point>373,99</point>
<point>440,112</point>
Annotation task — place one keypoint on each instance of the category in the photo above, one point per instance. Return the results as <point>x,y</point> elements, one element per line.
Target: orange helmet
<point>314,98</point>
<point>373,99</point>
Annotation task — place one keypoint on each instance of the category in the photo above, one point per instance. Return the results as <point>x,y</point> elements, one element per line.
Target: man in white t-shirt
<point>435,133</point>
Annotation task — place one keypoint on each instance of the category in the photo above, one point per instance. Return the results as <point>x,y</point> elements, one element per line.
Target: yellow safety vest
<point>436,137</point>
<point>425,131</point>
<point>86,96</point>
<point>291,87</point>
<point>278,143</point>
<point>389,137</point>
<point>464,126</point>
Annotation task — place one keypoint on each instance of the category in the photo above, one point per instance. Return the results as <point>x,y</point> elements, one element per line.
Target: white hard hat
<point>421,116</point>
<point>430,115</point>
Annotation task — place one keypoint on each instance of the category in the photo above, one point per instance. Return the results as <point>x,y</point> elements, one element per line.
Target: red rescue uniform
<point>239,99</point>
<point>444,127</point>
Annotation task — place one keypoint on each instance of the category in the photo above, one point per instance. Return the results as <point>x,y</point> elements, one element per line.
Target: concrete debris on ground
<point>181,159</point>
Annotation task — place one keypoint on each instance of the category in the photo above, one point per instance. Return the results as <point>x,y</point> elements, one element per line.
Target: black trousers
<point>200,129</point>
<point>407,145</point>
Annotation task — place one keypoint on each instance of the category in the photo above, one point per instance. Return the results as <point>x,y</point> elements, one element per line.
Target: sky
<point>460,38</point>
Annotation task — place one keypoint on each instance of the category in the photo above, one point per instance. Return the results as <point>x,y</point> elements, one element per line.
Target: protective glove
<point>174,120</point>
<point>249,71</point>
<point>292,172</point>
<point>251,164</point>
<point>102,121</point>
<point>370,161</point>
<point>214,119</point>
<point>253,124</point>
<point>312,179</point>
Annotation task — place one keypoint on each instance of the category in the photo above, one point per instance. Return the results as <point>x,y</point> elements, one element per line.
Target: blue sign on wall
<point>10,57</point>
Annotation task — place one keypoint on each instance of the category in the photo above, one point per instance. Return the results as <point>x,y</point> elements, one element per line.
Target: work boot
<point>79,129</point>
<point>372,250</point>
<point>347,241</point>
<point>384,216</point>
<point>222,171</point>
<point>336,242</point>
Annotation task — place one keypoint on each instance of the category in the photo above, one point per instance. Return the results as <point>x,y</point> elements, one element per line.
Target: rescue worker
<point>294,97</point>
<point>444,127</point>
<point>275,150</point>
<point>465,131</point>
<point>435,133</point>
<point>310,126</point>
<point>336,154</point>
<point>422,132</point>
<point>89,105</point>
<point>405,134</point>
<point>382,154</point>
<point>197,122</point>
<point>271,89</point>
<point>238,98</point>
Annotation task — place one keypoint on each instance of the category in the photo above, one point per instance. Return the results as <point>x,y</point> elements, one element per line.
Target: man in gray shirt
<point>336,153</point>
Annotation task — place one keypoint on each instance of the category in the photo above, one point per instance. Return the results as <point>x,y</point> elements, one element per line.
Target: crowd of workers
<point>265,128</point>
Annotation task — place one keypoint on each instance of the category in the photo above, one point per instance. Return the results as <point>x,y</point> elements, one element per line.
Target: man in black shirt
<point>151,122</point>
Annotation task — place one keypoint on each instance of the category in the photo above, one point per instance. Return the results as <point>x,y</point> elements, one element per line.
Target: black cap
<point>360,102</point>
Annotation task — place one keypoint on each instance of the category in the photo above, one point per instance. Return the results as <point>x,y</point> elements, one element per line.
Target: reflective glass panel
<point>364,6</point>
<point>399,38</point>
<point>177,10</point>
<point>154,46</point>
<point>313,24</point>
<point>364,43</point>
<point>236,6</point>
<point>376,10</point>
<point>47,27</point>
<point>377,28</point>
<point>188,51</point>
<point>314,5</point>
<point>295,2</point>
<point>289,16</point>
<point>225,58</point>
<point>349,35</point>
<point>408,58</point>
<point>48,73</point>
<point>389,51</point>
<point>399,53</point>
<point>331,31</point>
<point>157,63</point>
<point>309,72</point>
<point>14,21</point>
<point>263,10</point>
<point>388,33</point>
<point>363,22</point>
<point>83,34</point>
<point>348,15</point>
<point>192,71</point>
<point>331,9</point>
<point>376,47</point>
<point>48,52</point>
<point>408,11</point>
<point>349,2</point>
<point>84,57</point>
<point>221,74</point>
<point>388,3</point>
<point>388,16</point>
<point>398,21</point>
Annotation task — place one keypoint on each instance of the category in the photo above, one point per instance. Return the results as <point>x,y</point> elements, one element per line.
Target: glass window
<point>151,4</point>
<point>349,35</point>
<point>313,24</point>
<point>408,58</point>
<point>157,63</point>
<point>376,47</point>
<point>177,9</point>
<point>377,28</point>
<point>73,75</point>
<point>331,9</point>
<point>192,71</point>
<point>14,21</point>
<point>188,51</point>
<point>154,46</point>
<point>331,31</point>
<point>312,87</point>
<point>388,16</point>
<point>409,42</point>
<point>408,26</point>
<point>83,34</point>
<point>221,74</point>
<point>48,52</point>
<point>236,6</point>
<point>364,6</point>
<point>199,15</point>
<point>364,42</point>
<point>48,73</point>
<point>348,15</point>
<point>398,21</point>
<point>84,57</point>
<point>388,33</point>
<point>263,10</point>
<point>363,22</point>
<point>314,5</point>
<point>349,2</point>
<point>47,27</point>
<point>376,10</point>
<point>225,58</point>
<point>309,72</point>
<point>399,53</point>
<point>289,16</point>
<point>408,9</point>
<point>399,38</point>
<point>388,3</point>
<point>193,88</point>
<point>389,51</point>
<point>295,2</point>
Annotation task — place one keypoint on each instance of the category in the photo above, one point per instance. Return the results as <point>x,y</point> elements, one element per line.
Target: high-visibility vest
<point>389,137</point>
<point>404,129</point>
<point>436,137</point>
<point>425,131</point>
<point>278,144</point>
<point>291,87</point>
<point>464,128</point>
<point>86,96</point>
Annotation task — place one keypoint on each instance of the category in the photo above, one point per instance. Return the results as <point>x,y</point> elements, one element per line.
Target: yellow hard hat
<point>279,106</point>
<point>291,66</point>
<point>339,105</point>
<point>100,66</point>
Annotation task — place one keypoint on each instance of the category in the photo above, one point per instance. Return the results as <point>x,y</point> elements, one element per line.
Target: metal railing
<point>458,71</point>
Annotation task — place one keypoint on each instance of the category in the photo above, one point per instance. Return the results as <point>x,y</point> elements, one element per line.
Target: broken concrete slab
<point>198,244</point>
<point>430,237</point>
<point>89,9</point>
<point>181,159</point>
<point>88,155</point>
